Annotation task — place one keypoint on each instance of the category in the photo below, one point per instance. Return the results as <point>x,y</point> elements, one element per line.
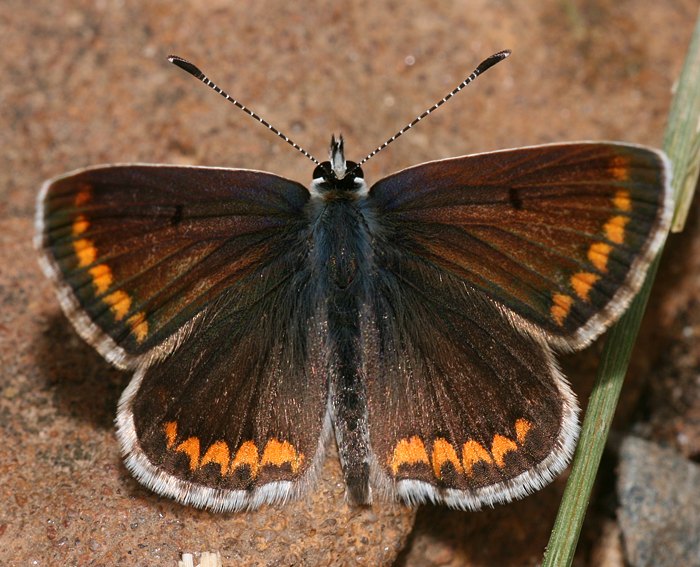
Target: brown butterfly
<point>414,319</point>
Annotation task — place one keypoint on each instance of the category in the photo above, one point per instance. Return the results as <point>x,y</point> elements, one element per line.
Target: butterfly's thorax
<point>340,222</point>
<point>342,243</point>
<point>342,250</point>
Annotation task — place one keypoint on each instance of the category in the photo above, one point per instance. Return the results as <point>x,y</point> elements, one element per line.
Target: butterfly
<point>414,320</point>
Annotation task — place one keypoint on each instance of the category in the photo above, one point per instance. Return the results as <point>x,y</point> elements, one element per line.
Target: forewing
<point>559,235</point>
<point>138,251</point>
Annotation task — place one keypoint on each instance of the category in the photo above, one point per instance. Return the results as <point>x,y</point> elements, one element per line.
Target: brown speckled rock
<point>87,82</point>
<point>659,494</point>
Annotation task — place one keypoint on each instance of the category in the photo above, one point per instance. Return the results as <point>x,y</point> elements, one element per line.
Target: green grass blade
<point>682,144</point>
<point>682,139</point>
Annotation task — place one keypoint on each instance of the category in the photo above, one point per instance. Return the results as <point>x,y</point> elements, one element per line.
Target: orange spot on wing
<point>119,302</point>
<point>619,168</point>
<point>191,448</point>
<point>84,194</point>
<point>522,427</point>
<point>500,447</point>
<point>247,454</point>
<point>598,254</point>
<point>408,452</point>
<point>444,452</point>
<point>473,453</point>
<point>280,452</point>
<point>615,229</point>
<point>561,305</point>
<point>139,326</point>
<point>218,453</point>
<point>582,282</point>
<point>101,278</point>
<point>622,200</point>
<point>80,225</point>
<point>85,251</point>
<point>170,429</point>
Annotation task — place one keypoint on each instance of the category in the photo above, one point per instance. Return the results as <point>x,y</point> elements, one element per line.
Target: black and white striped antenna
<point>483,66</point>
<point>193,70</point>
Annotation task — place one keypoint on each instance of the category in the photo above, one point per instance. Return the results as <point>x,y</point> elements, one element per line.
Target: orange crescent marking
<point>472,453</point>
<point>582,282</point>
<point>84,194</point>
<point>80,225</point>
<point>280,452</point>
<point>170,429</point>
<point>500,447</point>
<point>85,251</point>
<point>101,278</point>
<point>598,254</point>
<point>622,200</point>
<point>408,452</point>
<point>619,168</point>
<point>444,452</point>
<point>522,427</point>
<point>218,453</point>
<point>191,448</point>
<point>139,326</point>
<point>247,454</point>
<point>615,229</point>
<point>119,302</point>
<point>561,305</point>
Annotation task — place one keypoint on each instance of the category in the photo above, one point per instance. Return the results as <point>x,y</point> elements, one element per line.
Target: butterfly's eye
<point>355,173</point>
<point>323,171</point>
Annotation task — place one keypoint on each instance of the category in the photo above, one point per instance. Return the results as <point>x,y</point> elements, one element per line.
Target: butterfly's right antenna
<point>483,66</point>
<point>193,70</point>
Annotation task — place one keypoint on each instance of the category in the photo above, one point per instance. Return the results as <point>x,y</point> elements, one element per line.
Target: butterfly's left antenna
<point>193,70</point>
<point>483,66</point>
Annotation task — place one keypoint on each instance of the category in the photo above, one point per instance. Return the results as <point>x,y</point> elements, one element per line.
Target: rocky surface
<point>87,82</point>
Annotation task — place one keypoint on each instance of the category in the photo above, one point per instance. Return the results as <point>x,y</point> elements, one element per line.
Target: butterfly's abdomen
<point>343,256</point>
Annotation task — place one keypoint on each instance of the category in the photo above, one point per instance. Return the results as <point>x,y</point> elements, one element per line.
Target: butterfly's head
<point>338,175</point>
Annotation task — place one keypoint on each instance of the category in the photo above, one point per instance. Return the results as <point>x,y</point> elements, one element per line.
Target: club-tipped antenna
<point>193,70</point>
<point>483,66</point>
